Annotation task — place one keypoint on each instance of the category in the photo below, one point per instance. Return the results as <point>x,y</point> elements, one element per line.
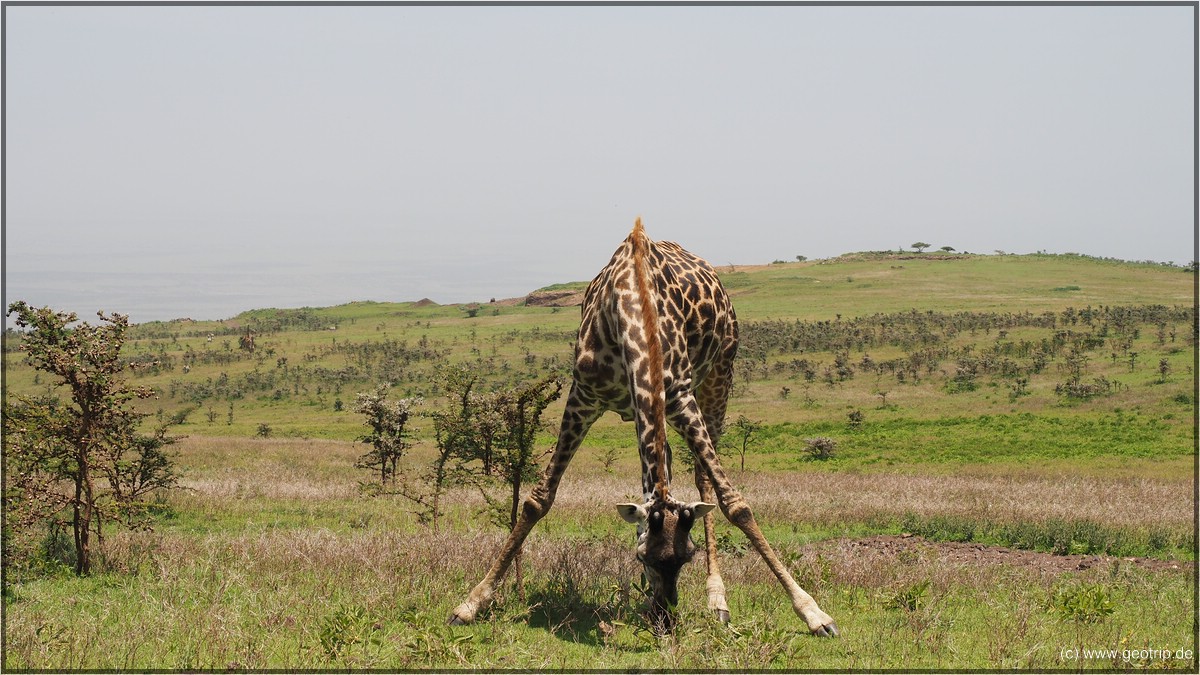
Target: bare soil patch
<point>561,298</point>
<point>969,554</point>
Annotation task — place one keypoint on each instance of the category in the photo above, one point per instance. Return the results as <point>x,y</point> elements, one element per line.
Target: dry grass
<point>223,473</point>
<point>839,497</point>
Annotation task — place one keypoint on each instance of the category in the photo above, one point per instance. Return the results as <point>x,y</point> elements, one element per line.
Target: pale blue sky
<point>199,161</point>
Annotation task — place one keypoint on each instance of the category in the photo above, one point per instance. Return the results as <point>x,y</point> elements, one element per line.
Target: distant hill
<point>861,283</point>
<point>853,284</point>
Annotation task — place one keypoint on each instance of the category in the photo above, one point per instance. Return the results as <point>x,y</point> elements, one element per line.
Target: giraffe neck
<point>651,470</point>
<point>659,467</point>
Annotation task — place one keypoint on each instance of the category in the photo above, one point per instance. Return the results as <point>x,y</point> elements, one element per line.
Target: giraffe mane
<point>641,248</point>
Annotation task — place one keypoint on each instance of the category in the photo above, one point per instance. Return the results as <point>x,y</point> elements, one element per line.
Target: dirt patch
<point>963,554</point>
<point>508,302</point>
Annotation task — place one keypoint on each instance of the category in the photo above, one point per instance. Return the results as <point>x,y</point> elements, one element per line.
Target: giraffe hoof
<point>455,620</point>
<point>827,631</point>
<point>723,615</point>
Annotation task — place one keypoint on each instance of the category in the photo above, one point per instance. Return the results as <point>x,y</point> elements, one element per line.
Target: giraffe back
<point>617,363</point>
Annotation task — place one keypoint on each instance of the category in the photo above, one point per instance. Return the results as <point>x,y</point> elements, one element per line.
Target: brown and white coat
<point>656,344</point>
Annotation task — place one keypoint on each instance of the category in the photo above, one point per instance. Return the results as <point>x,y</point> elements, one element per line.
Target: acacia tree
<point>35,456</point>
<point>744,427</point>
<point>481,437</point>
<point>388,438</point>
<point>474,428</point>
<point>85,457</point>
<point>453,433</point>
<point>447,468</point>
<point>520,409</point>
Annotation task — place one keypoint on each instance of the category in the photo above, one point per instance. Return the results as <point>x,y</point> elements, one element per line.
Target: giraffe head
<point>664,545</point>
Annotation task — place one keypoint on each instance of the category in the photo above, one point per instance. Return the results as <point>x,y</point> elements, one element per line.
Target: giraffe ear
<point>701,508</point>
<point>632,513</point>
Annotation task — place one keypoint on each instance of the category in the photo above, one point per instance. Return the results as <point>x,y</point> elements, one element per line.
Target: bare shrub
<point>821,447</point>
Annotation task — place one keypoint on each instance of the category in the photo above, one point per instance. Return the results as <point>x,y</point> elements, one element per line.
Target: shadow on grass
<point>569,616</point>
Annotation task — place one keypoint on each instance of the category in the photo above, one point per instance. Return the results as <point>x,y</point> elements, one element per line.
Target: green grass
<point>953,442</point>
<point>568,286</point>
<point>296,377</point>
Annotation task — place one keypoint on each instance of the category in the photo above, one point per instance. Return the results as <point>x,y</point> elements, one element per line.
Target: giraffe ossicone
<point>657,340</point>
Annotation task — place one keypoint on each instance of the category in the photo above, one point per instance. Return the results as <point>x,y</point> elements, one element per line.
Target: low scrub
<point>1083,603</point>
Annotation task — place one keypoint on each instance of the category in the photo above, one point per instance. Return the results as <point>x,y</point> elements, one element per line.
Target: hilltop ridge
<point>858,283</point>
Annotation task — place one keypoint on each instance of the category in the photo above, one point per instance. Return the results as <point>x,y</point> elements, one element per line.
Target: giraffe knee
<point>533,508</point>
<point>739,513</point>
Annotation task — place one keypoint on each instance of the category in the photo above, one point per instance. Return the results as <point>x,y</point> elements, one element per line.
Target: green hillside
<point>863,284</point>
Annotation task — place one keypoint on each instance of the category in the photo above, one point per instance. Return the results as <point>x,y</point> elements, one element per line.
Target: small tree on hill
<point>85,459</point>
<point>920,246</point>
<point>455,436</point>
<point>447,468</point>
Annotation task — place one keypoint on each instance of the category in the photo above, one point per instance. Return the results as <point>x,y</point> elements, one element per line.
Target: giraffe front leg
<point>577,419</point>
<point>735,508</point>
<point>536,505</point>
<point>713,585</point>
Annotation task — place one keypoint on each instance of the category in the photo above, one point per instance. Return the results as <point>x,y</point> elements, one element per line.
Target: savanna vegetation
<point>1022,425</point>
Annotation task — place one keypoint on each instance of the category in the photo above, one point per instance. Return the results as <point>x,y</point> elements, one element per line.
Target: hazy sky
<point>198,161</point>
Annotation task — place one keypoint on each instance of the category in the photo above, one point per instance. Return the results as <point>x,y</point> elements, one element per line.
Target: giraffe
<point>657,339</point>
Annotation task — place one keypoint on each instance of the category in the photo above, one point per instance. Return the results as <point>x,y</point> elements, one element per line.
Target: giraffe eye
<point>686,514</point>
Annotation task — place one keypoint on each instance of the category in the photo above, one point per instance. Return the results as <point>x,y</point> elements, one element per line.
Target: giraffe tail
<point>653,357</point>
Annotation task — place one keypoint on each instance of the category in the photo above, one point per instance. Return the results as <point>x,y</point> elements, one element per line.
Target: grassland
<point>271,558</point>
